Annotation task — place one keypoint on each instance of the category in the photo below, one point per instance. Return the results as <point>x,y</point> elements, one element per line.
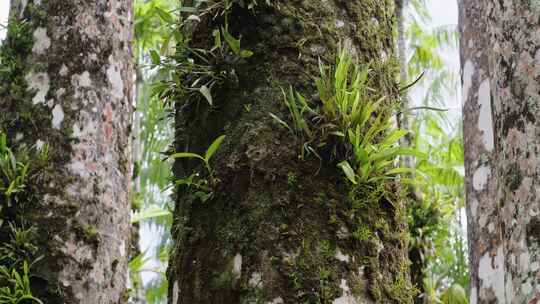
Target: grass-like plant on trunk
<point>18,252</point>
<point>351,121</point>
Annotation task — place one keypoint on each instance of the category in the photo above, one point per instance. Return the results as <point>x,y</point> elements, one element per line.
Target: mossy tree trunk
<point>500,54</point>
<point>279,229</point>
<point>65,83</point>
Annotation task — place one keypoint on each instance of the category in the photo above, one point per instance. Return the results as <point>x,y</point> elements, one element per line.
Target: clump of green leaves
<point>203,185</point>
<point>351,121</point>
<point>20,247</point>
<point>19,251</point>
<point>15,287</point>
<point>16,169</point>
<point>15,268</point>
<point>13,173</point>
<point>195,71</point>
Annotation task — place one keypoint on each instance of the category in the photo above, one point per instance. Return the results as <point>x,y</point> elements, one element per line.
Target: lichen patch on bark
<point>40,84</point>
<point>346,297</point>
<point>466,78</point>
<point>57,116</point>
<point>115,78</point>
<point>485,121</point>
<point>492,275</point>
<point>42,41</point>
<point>277,300</point>
<point>480,178</point>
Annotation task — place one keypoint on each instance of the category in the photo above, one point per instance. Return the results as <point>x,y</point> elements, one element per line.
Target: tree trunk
<point>279,229</point>
<point>501,66</point>
<point>66,82</point>
<point>403,118</point>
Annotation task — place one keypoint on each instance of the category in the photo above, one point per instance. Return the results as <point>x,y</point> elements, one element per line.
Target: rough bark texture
<point>68,85</point>
<point>479,145</point>
<point>500,50</point>
<point>282,230</point>
<point>403,117</point>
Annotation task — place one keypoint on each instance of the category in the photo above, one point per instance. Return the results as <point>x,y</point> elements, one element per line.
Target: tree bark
<point>279,229</point>
<point>67,83</point>
<point>403,118</point>
<point>500,43</point>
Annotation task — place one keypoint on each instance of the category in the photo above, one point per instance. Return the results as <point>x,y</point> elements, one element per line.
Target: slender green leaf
<point>164,15</point>
<point>205,91</point>
<point>281,122</point>
<point>213,148</point>
<point>348,170</point>
<point>148,213</point>
<point>401,170</point>
<point>246,53</point>
<point>233,43</point>
<point>186,155</point>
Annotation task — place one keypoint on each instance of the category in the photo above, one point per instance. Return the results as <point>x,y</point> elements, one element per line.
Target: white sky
<point>444,13</point>
<point>4,10</point>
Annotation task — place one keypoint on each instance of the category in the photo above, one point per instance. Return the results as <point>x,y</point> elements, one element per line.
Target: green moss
<point>284,215</point>
<point>362,233</point>
<point>87,233</point>
<point>291,179</point>
<point>312,268</point>
<point>513,177</point>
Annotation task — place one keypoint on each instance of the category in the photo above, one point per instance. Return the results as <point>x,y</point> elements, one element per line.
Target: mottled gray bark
<point>279,229</point>
<point>69,86</point>
<point>500,50</point>
<point>135,282</point>
<point>481,205</point>
<point>403,117</point>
